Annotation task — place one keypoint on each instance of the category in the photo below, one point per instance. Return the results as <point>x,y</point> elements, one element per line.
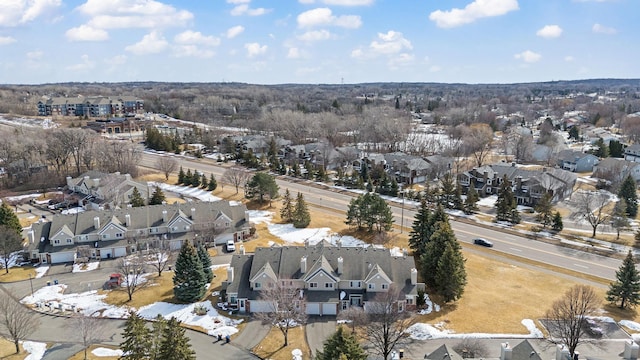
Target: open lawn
<point>271,347</point>
<point>90,356</point>
<point>8,351</point>
<point>17,273</point>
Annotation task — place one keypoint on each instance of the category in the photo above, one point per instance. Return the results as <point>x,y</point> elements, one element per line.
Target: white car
<point>231,246</point>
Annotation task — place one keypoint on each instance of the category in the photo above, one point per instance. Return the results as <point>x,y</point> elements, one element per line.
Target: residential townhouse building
<point>94,106</point>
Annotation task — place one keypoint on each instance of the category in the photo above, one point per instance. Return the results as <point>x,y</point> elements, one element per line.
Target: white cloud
<point>392,42</point>
<point>244,9</point>
<point>400,60</point>
<point>86,33</point>
<point>116,60</point>
<point>192,51</point>
<point>528,56</point>
<point>348,2</point>
<point>569,58</point>
<point>601,29</point>
<point>85,65</point>
<point>357,53</point>
<point>16,12</point>
<point>234,31</point>
<point>315,35</point>
<point>294,53</point>
<point>122,14</point>
<point>35,55</point>
<point>475,10</point>
<point>324,16</point>
<point>238,1</point>
<point>151,43</point>
<point>6,40</point>
<point>306,1</point>
<point>255,49</point>
<point>550,31</point>
<point>195,38</point>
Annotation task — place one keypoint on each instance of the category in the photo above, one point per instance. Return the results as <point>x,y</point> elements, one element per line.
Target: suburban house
<point>616,170</point>
<point>528,185</point>
<point>106,191</point>
<point>331,278</point>
<point>406,169</point>
<point>577,161</point>
<point>95,106</point>
<point>632,153</point>
<point>115,125</point>
<point>109,234</point>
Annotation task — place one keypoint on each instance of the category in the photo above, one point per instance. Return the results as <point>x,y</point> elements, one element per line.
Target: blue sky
<point>317,41</point>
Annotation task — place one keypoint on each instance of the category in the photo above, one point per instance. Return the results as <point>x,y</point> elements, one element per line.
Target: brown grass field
<point>90,356</point>
<point>8,351</point>
<point>17,274</point>
<point>271,347</point>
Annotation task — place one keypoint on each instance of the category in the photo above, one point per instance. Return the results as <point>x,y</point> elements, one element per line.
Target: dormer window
<point>371,286</point>
<point>385,286</point>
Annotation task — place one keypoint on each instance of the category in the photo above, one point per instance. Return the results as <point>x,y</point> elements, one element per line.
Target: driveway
<point>252,334</point>
<point>318,329</point>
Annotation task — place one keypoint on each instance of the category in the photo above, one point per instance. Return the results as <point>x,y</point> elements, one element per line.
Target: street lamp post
<point>402,212</point>
<point>31,283</point>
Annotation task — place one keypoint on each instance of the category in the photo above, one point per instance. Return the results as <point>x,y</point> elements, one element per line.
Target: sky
<point>317,41</point>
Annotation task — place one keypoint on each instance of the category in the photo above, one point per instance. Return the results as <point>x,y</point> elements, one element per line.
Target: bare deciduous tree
<point>567,315</point>
<point>471,348</point>
<point>166,165</point>
<point>160,259</point>
<point>87,328</point>
<point>10,242</point>
<point>387,324</point>
<point>355,315</point>
<point>236,176</point>
<point>132,270</point>
<point>16,321</point>
<point>286,306</point>
<point>591,206</point>
<point>478,141</point>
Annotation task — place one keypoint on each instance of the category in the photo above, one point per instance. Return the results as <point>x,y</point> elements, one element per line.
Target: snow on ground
<point>22,197</point>
<point>632,325</point>
<point>260,216</point>
<point>212,322</point>
<point>41,270</point>
<point>104,352</point>
<point>89,303</point>
<point>422,331</point>
<point>216,267</point>
<point>200,194</point>
<point>489,201</point>
<point>36,350</point>
<point>131,278</point>
<point>397,252</point>
<point>430,306</point>
<point>77,268</point>
<point>297,354</point>
<point>74,210</point>
<point>290,234</point>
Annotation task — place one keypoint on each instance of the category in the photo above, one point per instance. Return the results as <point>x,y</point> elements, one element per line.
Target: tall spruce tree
<point>557,224</point>
<point>175,343</point>
<point>188,177</point>
<point>340,345</point>
<point>158,197</point>
<point>286,211</point>
<point>451,276</point>
<point>471,201</point>
<point>213,184</point>
<point>137,338</point>
<point>420,231</point>
<point>628,193</point>
<point>157,329</point>
<point>626,288</point>
<point>136,198</point>
<point>434,250</point>
<point>447,191</point>
<point>205,259</point>
<point>181,176</point>
<point>204,183</point>
<point>9,219</point>
<point>189,280</point>
<point>506,203</point>
<point>301,215</point>
<point>544,209</point>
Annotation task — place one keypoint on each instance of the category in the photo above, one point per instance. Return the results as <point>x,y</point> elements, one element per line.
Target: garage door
<point>313,308</point>
<point>259,306</point>
<point>329,309</point>
<point>62,257</point>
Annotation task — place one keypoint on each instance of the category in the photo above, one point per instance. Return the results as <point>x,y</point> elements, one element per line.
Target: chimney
<point>229,274</point>
<point>96,223</point>
<point>340,265</point>
<point>513,164</point>
<point>127,220</point>
<point>630,350</point>
<point>241,249</point>
<point>414,276</point>
<point>562,352</point>
<point>86,178</point>
<point>193,213</point>
<point>303,264</point>
<point>505,351</point>
<point>127,176</point>
<point>164,216</point>
<point>31,236</point>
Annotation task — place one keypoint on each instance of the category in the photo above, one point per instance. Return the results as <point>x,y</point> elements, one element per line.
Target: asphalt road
<point>333,201</point>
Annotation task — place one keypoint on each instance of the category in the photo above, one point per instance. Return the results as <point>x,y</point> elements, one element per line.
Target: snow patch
<point>422,331</point>
<point>297,354</point>
<point>260,216</point>
<point>631,325</point>
<point>104,352</point>
<point>41,270</point>
<point>212,321</point>
<point>189,191</point>
<point>77,268</point>
<point>36,350</point>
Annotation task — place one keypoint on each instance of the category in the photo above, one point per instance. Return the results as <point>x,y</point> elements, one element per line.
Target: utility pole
<point>402,212</point>
<point>31,283</point>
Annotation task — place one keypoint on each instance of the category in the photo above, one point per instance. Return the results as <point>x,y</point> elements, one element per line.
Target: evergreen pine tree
<point>470,203</point>
<point>205,260</point>
<point>506,203</point>
<point>544,209</point>
<point>195,179</point>
<point>295,169</point>
<point>204,183</point>
<point>447,191</point>
<point>136,198</point>
<point>619,220</point>
<point>188,177</point>
<point>626,288</point>
<point>181,175</point>
<point>9,219</point>
<point>286,211</point>
<point>434,250</point>
<point>628,193</point>
<point>157,329</point>
<point>451,276</point>
<point>380,215</point>
<point>557,224</point>
<point>301,216</point>
<point>137,338</point>
<point>420,231</point>
<point>458,204</point>
<point>175,344</point>
<point>157,198</point>
<point>213,184</point>
<point>341,344</point>
<point>189,280</point>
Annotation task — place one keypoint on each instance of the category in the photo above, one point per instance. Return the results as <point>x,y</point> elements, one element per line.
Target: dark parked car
<point>483,242</point>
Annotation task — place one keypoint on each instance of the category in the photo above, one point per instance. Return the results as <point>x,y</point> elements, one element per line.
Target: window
<point>328,285</point>
<point>56,241</point>
<point>313,285</point>
<point>104,236</point>
<point>119,235</point>
<point>400,306</point>
<point>69,241</point>
<point>410,301</point>
<point>257,285</point>
<point>186,227</point>
<point>355,284</point>
<point>385,286</point>
<point>371,286</point>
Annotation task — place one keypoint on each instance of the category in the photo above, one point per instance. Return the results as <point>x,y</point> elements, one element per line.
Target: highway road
<point>330,200</point>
